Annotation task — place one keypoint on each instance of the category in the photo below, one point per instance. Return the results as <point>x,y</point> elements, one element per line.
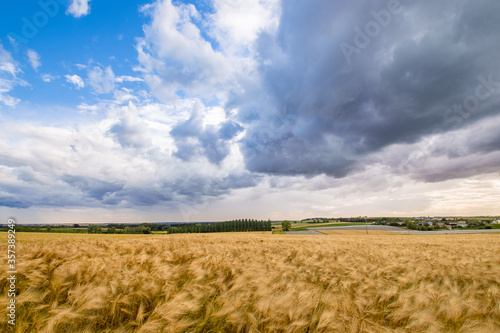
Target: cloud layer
<point>260,101</point>
<point>319,111</point>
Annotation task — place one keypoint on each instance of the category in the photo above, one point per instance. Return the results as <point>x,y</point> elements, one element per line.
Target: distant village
<point>446,223</point>
<point>422,223</point>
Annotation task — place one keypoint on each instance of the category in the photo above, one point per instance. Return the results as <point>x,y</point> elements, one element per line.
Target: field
<point>301,226</point>
<point>298,227</point>
<point>358,232</point>
<point>255,283</point>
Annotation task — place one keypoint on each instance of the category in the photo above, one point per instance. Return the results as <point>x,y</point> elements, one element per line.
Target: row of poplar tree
<point>228,226</point>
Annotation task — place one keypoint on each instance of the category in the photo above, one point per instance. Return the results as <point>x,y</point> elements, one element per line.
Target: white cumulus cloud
<point>79,8</point>
<point>102,81</point>
<point>9,70</point>
<point>47,77</point>
<point>76,80</point>
<point>127,78</point>
<point>34,59</point>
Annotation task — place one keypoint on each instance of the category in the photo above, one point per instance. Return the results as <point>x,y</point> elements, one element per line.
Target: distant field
<point>224,233</point>
<point>241,282</point>
<point>357,232</point>
<point>305,226</point>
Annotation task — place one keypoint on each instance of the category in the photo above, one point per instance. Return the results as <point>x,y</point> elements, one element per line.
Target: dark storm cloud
<point>13,203</point>
<point>31,190</point>
<point>144,196</point>
<point>322,109</point>
<point>196,187</point>
<point>460,154</point>
<point>93,188</point>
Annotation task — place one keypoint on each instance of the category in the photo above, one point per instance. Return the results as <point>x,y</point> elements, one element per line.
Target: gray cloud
<point>192,139</point>
<point>13,203</point>
<point>93,188</point>
<point>131,133</point>
<point>320,113</point>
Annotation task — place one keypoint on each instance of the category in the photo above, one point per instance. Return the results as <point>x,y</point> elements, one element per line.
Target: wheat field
<point>255,283</point>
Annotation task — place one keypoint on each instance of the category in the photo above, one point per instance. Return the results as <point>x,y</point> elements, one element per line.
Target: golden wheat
<point>255,283</point>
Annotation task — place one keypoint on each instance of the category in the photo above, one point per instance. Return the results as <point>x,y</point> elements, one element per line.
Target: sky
<point>210,110</point>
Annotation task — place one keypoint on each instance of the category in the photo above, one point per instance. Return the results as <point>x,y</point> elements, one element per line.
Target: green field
<point>493,226</point>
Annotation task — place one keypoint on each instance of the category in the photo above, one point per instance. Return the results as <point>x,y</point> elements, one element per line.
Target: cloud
<point>235,25</point>
<point>93,188</point>
<point>188,54</point>
<point>311,111</point>
<point>461,153</point>
<point>76,80</point>
<point>127,78</point>
<point>47,77</point>
<point>259,105</point>
<point>34,59</point>
<point>131,131</point>
<point>9,70</point>
<point>102,81</point>
<point>195,138</point>
<point>79,8</point>
<point>179,59</point>
<point>124,160</point>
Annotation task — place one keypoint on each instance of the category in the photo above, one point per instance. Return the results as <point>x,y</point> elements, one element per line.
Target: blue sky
<point>128,111</point>
<point>66,42</point>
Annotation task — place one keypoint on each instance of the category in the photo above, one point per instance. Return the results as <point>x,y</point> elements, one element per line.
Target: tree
<point>94,229</point>
<point>111,230</point>
<point>411,225</point>
<point>141,230</point>
<point>286,225</point>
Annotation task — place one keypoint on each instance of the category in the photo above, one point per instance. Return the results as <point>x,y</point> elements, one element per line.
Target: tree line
<point>228,226</point>
<point>141,229</point>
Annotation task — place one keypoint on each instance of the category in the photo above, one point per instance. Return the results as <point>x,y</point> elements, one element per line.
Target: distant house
<point>429,223</point>
<point>441,224</point>
<point>459,224</point>
<point>496,221</point>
